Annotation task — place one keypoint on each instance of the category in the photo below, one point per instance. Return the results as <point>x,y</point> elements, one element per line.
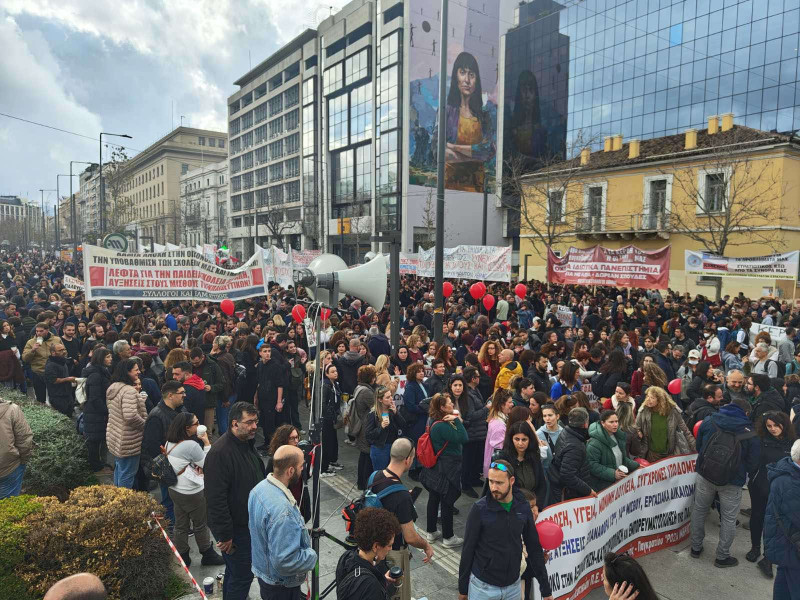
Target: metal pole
<point>73,217</point>
<point>394,293</point>
<point>44,230</point>
<point>55,213</point>
<point>438,310</point>
<point>485,206</point>
<point>100,194</point>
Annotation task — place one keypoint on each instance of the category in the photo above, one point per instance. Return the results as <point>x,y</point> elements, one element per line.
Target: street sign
<point>115,241</point>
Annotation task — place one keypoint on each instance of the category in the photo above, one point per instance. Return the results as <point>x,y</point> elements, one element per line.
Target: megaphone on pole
<point>366,282</point>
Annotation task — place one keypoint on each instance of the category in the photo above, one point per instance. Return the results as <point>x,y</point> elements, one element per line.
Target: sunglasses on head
<point>500,467</point>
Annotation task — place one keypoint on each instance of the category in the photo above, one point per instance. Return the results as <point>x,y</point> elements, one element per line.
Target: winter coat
<point>772,450</point>
<point>95,409</point>
<point>126,417</point>
<point>363,401</point>
<point>347,366</point>
<point>600,455</point>
<point>569,472</point>
<point>379,344</point>
<point>379,436</point>
<point>495,435</point>
<point>155,429</point>
<point>59,394</point>
<point>212,374</point>
<point>534,465</point>
<point>770,399</point>
<point>679,439</point>
<point>358,579</point>
<point>474,413</point>
<point>16,438</point>
<point>610,383</point>
<point>507,372</point>
<point>445,476</point>
<point>695,390</point>
<point>783,504</point>
<point>697,411</point>
<point>731,418</point>
<point>228,366</point>
<point>413,396</point>
<point>38,358</point>
<point>731,362</point>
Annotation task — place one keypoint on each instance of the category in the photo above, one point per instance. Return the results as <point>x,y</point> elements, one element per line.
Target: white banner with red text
<point>484,263</point>
<point>73,284</point>
<point>279,266</point>
<point>181,274</point>
<point>774,266</point>
<point>646,511</point>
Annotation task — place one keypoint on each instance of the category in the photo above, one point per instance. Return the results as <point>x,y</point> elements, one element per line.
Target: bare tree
<point>119,209</point>
<point>429,221</point>
<point>277,225</point>
<point>360,224</point>
<point>545,197</point>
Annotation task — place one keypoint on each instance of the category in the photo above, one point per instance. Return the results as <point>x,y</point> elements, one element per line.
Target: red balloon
<point>488,301</point>
<point>481,287</point>
<point>550,534</point>
<point>674,386</point>
<point>299,313</point>
<point>227,306</point>
<point>520,290</point>
<point>325,313</point>
<point>475,291</point>
<point>447,289</point>
<point>696,428</point>
<point>642,462</point>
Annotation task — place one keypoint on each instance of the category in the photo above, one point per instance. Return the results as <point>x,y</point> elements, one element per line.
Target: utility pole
<point>101,191</point>
<point>438,307</point>
<point>44,224</point>
<point>74,214</point>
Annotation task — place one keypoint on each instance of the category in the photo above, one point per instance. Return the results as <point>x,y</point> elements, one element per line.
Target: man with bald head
<point>280,544</point>
<point>82,586</point>
<point>509,368</point>
<point>58,380</point>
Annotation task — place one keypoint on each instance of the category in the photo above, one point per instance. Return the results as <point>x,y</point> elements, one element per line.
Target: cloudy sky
<point>92,65</point>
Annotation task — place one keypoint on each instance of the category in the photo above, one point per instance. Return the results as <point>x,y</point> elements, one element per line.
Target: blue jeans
<point>787,584</point>
<point>166,502</point>
<point>11,484</point>
<point>238,573</point>
<point>480,590</point>
<point>380,457</point>
<point>125,471</point>
<point>222,414</point>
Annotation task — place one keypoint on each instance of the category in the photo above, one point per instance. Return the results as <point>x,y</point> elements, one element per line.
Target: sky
<point>88,66</point>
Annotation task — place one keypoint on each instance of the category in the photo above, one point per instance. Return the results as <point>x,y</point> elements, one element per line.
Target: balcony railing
<point>639,225</point>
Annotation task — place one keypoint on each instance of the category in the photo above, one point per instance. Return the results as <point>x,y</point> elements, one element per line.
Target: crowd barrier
<point>647,511</point>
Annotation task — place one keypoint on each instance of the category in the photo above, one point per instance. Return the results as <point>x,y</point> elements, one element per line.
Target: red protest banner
<point>624,267</point>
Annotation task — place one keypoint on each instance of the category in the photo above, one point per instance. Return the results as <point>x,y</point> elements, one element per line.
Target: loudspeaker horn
<point>322,265</point>
<point>367,281</point>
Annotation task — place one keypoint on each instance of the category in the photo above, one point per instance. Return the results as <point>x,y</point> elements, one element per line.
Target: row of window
<point>276,194</point>
<point>143,178</point>
<point>272,107</point>
<point>292,214</point>
<point>277,81</point>
<point>276,172</point>
<point>150,192</point>
<point>212,142</point>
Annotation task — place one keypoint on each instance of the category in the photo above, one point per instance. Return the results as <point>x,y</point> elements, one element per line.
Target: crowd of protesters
<point>560,391</point>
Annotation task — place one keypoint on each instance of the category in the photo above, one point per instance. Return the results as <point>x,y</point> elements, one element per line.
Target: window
<point>361,113</point>
<point>343,176</point>
<point>236,165</point>
<point>275,105</point>
<point>357,67</point>
<point>260,134</point>
<point>201,141</point>
<point>247,120</point>
<point>247,140</point>
<point>337,122</point>
<point>292,120</point>
<point>276,82</point>
<point>291,71</point>
<point>657,192</point>
<point>308,129</point>
<point>276,150</point>
<point>276,172</point>
<point>291,96</point>
<point>260,113</point>
<point>261,176</point>
<point>236,145</point>
<point>292,167</point>
<point>291,191</point>
<point>309,87</point>
<point>293,144</point>
<point>388,98</point>
<point>555,206</point>
<point>236,203</point>
<point>237,221</point>
<point>261,155</point>
<point>261,198</point>
<point>393,13</point>
<point>594,207</point>
<point>184,168</point>
<point>212,142</point>
<point>276,194</point>
<point>332,79</point>
<point>275,127</point>
<point>364,172</point>
<point>234,128</point>
<point>387,163</point>
<point>220,143</point>
<point>247,161</point>
<point>236,183</point>
<point>260,91</point>
<point>715,192</point>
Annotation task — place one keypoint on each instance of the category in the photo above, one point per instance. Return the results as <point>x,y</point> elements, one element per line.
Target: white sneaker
<point>336,466</point>
<point>328,473</point>
<point>452,542</point>
<point>432,537</point>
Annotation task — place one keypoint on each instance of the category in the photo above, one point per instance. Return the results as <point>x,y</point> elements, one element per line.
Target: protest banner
<point>73,283</point>
<point>210,252</point>
<point>177,274</point>
<point>278,266</point>
<point>302,258</point>
<point>409,263</point>
<point>624,267</point>
<point>774,266</point>
<point>564,315</point>
<point>486,263</point>
<point>776,334</point>
<point>648,510</point>
<point>66,255</point>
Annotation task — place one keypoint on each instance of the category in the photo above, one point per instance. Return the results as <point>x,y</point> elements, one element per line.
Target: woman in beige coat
<point>126,417</point>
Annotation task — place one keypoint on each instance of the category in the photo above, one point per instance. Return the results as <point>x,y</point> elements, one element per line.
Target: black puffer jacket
<point>369,583</point>
<point>473,414</point>
<point>769,400</point>
<point>95,408</point>
<point>569,471</point>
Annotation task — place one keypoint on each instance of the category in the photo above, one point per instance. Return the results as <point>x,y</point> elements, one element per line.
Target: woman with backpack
<point>362,401</point>
<point>382,426</point>
<point>777,435</point>
<point>443,480</point>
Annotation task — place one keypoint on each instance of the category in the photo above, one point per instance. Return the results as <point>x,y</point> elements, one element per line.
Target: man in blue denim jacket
<point>280,544</point>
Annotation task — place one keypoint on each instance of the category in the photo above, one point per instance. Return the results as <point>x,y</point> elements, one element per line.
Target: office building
<point>144,199</point>
<point>204,205</point>
<point>20,222</point>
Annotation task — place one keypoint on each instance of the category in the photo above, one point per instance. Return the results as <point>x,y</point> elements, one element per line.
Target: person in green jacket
<point>605,452</point>
<point>443,481</point>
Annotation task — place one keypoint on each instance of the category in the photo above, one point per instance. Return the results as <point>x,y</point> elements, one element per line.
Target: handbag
<point>161,470</point>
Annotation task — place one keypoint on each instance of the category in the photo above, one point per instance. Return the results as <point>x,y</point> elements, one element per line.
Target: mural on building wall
<point>471,101</point>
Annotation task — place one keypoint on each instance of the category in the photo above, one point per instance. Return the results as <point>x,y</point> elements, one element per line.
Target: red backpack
<point>425,453</point>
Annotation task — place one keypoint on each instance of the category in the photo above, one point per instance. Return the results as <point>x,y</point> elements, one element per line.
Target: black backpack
<point>161,470</point>
<point>721,455</point>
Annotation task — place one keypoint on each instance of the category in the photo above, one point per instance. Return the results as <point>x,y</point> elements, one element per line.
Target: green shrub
<point>103,530</point>
<point>13,533</point>
<point>59,462</point>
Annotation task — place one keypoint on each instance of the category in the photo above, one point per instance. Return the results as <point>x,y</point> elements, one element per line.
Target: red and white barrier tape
<point>177,554</point>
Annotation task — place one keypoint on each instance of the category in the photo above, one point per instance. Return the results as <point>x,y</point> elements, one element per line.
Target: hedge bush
<point>59,462</point>
<point>13,533</point>
<point>100,529</point>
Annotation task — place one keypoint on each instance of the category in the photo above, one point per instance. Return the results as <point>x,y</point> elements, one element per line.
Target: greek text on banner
<point>646,511</point>
<point>623,267</point>
<point>181,274</point>
<point>774,266</point>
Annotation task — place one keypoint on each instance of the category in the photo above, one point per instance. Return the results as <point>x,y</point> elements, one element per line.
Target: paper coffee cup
<point>623,468</point>
<point>201,429</point>
<point>208,585</point>
<point>39,340</point>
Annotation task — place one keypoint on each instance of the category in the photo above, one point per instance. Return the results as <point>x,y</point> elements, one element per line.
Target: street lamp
<point>73,215</point>
<point>102,191</point>
<point>58,204</point>
<point>44,228</point>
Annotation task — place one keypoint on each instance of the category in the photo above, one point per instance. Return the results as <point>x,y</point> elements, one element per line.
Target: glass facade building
<point>650,68</point>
